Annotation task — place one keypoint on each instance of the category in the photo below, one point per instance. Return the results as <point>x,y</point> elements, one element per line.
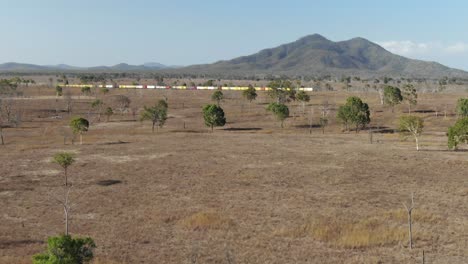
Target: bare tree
<point>67,97</point>
<point>324,112</point>
<point>66,205</point>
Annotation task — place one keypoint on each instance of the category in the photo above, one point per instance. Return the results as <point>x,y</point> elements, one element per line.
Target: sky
<point>177,32</point>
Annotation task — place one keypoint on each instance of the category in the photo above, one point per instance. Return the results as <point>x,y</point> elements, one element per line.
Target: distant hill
<point>122,67</point>
<point>316,55</point>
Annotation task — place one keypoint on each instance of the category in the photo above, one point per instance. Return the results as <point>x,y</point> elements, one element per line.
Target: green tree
<point>213,116</point>
<point>281,90</point>
<point>109,112</point>
<point>64,249</point>
<point>303,97</point>
<point>354,112</point>
<point>86,90</point>
<point>250,94</point>
<point>104,90</point>
<point>65,160</point>
<point>410,96</point>
<point>156,114</point>
<point>412,125</point>
<point>392,96</point>
<point>58,91</point>
<point>79,126</point>
<point>458,133</point>
<point>97,104</point>
<point>280,111</point>
<point>217,96</point>
<point>462,107</point>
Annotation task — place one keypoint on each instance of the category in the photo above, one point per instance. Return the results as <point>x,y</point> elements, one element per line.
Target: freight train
<point>126,86</point>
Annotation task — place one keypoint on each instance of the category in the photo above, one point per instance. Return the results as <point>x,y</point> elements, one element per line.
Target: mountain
<point>122,67</point>
<point>316,55</point>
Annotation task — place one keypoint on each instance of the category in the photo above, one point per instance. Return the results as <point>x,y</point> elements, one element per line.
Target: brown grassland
<point>250,192</point>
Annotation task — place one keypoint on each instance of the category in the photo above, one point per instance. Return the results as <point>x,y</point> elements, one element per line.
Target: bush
<point>66,250</point>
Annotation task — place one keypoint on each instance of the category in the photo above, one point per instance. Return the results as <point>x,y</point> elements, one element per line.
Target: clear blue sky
<point>176,32</point>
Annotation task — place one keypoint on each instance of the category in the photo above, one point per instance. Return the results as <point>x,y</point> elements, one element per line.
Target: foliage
<point>217,96</point>
<point>412,125</point>
<point>410,95</point>
<point>250,94</point>
<point>8,87</point>
<point>156,114</point>
<point>213,116</point>
<point>79,125</point>
<point>458,133</point>
<point>86,90</point>
<point>121,102</point>
<point>59,90</point>
<point>66,250</point>
<point>392,95</point>
<point>109,112</point>
<point>281,90</point>
<point>96,103</point>
<point>354,112</point>
<point>104,90</point>
<point>281,111</point>
<point>462,107</point>
<point>302,96</point>
<point>64,159</point>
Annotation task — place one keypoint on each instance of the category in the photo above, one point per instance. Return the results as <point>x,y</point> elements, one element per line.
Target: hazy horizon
<point>88,33</point>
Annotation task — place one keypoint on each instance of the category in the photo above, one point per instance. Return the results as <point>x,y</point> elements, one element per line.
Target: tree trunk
<point>211,128</point>
<point>282,123</point>
<point>1,135</point>
<point>409,108</point>
<point>66,177</point>
<point>410,230</point>
<point>417,142</point>
<point>81,139</point>
<point>152,129</point>
<point>66,219</point>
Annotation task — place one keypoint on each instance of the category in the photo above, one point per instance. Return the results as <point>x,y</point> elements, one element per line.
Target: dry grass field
<point>250,192</point>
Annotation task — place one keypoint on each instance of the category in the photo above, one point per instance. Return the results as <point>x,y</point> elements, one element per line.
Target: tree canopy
<point>392,96</point>
<point>157,114</point>
<point>354,112</point>
<point>213,116</point>
<point>279,110</point>
<point>462,107</point>
<point>217,96</point>
<point>458,133</point>
<point>66,250</point>
<point>250,94</point>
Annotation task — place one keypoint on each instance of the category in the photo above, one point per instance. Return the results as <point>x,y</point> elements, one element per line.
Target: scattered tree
<point>109,112</point>
<point>280,111</point>
<point>97,104</point>
<point>156,114</point>
<point>122,103</point>
<point>303,97</point>
<point>65,160</point>
<point>58,90</point>
<point>86,90</point>
<point>458,133</point>
<point>462,107</point>
<point>412,125</point>
<point>213,116</point>
<point>217,96</point>
<point>392,96</point>
<point>64,249</point>
<point>354,112</point>
<point>410,96</point>
<point>79,125</point>
<point>250,94</point>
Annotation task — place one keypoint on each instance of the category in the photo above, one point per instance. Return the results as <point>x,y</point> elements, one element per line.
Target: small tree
<point>58,91</point>
<point>97,104</point>
<point>280,111</point>
<point>156,114</point>
<point>462,107</point>
<point>122,103</point>
<point>217,96</point>
<point>65,160</point>
<point>412,125</point>
<point>303,97</point>
<point>392,96</point>
<point>86,90</point>
<point>64,249</point>
<point>104,90</point>
<point>354,112</point>
<point>410,96</point>
<point>109,112</point>
<point>213,116</point>
<point>250,94</point>
<point>458,133</point>
<point>79,125</point>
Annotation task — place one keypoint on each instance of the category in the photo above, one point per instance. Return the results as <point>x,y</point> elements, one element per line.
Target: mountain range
<point>122,67</point>
<point>313,55</point>
<point>316,55</point>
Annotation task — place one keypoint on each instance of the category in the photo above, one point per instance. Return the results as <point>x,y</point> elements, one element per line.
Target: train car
<point>150,86</point>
